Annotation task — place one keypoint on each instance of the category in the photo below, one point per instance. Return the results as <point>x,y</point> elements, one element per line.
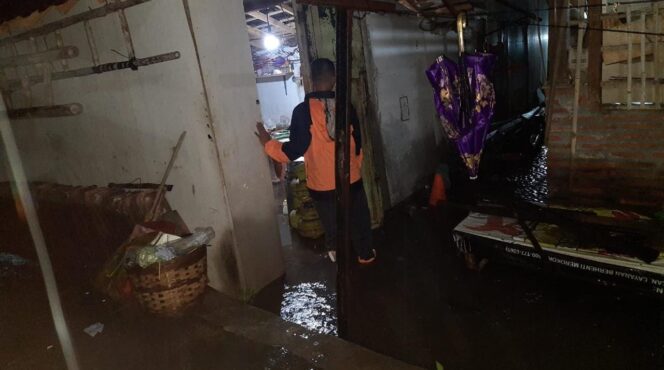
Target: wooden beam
<point>287,8</point>
<point>629,60</point>
<point>451,7</point>
<point>655,64</point>
<point>643,58</point>
<point>441,11</point>
<point>251,5</point>
<point>361,5</point>
<point>274,23</point>
<point>621,53</point>
<point>66,22</point>
<point>594,52</point>
<point>255,37</point>
<point>409,5</point>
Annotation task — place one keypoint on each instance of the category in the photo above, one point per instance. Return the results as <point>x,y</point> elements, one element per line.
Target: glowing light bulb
<point>271,42</point>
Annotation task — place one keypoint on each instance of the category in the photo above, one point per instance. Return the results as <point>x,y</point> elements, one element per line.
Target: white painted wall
<point>131,119</point>
<point>397,54</point>
<point>277,103</point>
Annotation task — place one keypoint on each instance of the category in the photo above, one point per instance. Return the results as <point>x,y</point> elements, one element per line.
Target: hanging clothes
<point>465,113</point>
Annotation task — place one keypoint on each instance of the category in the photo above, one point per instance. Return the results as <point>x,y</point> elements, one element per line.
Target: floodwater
<point>311,305</point>
<point>420,304</point>
<point>529,181</point>
<point>514,180</point>
<point>306,295</point>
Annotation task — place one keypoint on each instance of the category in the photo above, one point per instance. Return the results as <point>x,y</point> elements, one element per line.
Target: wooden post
<point>656,70</point>
<point>629,57</point>
<point>344,33</point>
<point>557,56</point>
<point>594,48</point>
<point>643,60</point>
<point>577,89</point>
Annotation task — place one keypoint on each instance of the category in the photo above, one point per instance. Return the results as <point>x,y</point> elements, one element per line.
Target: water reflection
<point>529,182</point>
<point>526,181</point>
<point>311,305</point>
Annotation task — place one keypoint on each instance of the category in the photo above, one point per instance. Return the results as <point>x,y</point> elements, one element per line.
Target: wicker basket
<point>169,289</point>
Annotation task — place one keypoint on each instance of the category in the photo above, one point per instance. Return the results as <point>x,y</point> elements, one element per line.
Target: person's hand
<point>262,134</point>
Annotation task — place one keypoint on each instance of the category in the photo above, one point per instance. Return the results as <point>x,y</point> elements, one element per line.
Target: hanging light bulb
<point>270,41</point>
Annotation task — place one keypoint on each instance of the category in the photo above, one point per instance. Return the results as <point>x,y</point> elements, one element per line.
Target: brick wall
<point>619,154</point>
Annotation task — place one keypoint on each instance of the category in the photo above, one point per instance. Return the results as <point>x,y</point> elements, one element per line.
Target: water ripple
<point>311,305</point>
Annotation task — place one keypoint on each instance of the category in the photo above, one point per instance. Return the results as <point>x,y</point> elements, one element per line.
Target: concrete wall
<point>131,120</point>
<point>398,53</point>
<point>277,103</point>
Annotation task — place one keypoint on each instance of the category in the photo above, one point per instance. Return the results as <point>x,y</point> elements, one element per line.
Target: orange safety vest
<point>311,135</point>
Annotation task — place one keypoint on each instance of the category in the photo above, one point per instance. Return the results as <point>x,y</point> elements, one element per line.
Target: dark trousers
<point>360,218</point>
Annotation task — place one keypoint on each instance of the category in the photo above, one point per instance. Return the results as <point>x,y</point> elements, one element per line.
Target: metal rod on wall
<point>66,22</point>
<point>50,111</point>
<point>103,68</point>
<point>344,29</point>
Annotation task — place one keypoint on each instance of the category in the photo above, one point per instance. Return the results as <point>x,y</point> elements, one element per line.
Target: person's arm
<point>299,140</point>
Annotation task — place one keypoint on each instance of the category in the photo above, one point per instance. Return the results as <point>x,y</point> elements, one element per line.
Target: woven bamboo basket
<point>169,289</point>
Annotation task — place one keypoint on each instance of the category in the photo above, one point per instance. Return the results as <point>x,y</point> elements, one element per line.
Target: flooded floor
<point>420,304</point>
<point>219,333</point>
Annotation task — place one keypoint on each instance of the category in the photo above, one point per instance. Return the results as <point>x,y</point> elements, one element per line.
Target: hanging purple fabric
<point>467,130</point>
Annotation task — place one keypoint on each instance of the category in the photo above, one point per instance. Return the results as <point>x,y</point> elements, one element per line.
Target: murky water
<point>529,181</point>
<point>311,305</point>
<point>525,181</point>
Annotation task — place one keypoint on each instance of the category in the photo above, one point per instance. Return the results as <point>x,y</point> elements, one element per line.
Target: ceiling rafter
<point>287,8</point>
<point>274,23</point>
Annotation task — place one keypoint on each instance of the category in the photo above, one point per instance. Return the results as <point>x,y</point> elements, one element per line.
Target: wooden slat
<point>656,66</point>
<point>629,61</point>
<point>614,38</point>
<point>643,58</point>
<point>621,53</point>
<point>274,23</point>
<point>619,70</point>
<point>614,91</point>
<point>577,87</point>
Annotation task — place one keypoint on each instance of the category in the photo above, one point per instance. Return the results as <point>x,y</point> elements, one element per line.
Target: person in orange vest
<point>312,133</point>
